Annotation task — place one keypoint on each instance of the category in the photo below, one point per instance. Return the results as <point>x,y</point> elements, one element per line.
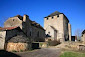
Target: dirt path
<point>44,52</point>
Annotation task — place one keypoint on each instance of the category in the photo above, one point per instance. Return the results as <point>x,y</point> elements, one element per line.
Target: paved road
<point>44,52</point>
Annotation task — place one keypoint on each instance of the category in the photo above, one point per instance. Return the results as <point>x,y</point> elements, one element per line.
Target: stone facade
<point>17,47</point>
<point>2,39</point>
<point>30,28</point>
<point>18,29</point>
<point>57,26</point>
<point>83,36</point>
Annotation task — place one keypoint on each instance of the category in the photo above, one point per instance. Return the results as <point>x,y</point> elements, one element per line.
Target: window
<point>52,17</point>
<point>57,15</point>
<point>47,18</point>
<point>13,19</point>
<point>48,32</point>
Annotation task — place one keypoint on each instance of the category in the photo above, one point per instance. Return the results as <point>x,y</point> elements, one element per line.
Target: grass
<point>72,54</point>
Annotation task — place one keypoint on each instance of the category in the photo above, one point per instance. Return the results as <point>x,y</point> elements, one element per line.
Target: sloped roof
<point>20,17</point>
<point>8,28</point>
<point>56,13</point>
<point>19,38</point>
<point>53,14</point>
<point>83,32</point>
<point>33,23</point>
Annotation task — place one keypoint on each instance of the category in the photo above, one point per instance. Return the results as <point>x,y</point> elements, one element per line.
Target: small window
<point>57,15</point>
<point>52,17</point>
<point>48,32</point>
<point>13,19</point>
<point>47,18</point>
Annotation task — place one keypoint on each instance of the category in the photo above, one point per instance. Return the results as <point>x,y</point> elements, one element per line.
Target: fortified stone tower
<point>56,26</point>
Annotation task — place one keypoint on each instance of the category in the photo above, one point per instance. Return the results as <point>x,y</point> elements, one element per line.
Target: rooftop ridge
<point>53,14</point>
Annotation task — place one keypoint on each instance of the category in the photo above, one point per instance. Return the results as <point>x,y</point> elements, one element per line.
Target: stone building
<point>20,28</point>
<point>11,37</point>
<point>83,36</point>
<point>57,27</point>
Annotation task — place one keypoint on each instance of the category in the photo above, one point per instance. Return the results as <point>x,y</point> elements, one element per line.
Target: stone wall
<point>13,33</point>
<point>57,23</point>
<point>60,23</point>
<point>14,21</point>
<point>17,47</point>
<point>65,27</point>
<point>60,28</point>
<point>83,38</point>
<point>69,30</point>
<point>33,32</point>
<point>2,39</point>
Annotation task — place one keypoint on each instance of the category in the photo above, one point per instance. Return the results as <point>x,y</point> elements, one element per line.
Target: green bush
<point>14,51</point>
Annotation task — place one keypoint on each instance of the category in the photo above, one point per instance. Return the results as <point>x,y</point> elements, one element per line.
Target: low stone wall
<point>17,47</point>
<point>76,46</point>
<point>82,47</point>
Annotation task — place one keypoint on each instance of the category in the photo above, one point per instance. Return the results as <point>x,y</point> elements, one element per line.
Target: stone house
<point>18,29</point>
<point>57,27</point>
<point>83,36</point>
<point>30,28</point>
<point>11,37</point>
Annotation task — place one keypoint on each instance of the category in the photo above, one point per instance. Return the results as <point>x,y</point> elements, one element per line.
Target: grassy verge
<point>72,54</point>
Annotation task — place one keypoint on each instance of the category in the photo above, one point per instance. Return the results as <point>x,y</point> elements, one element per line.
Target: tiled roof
<point>8,28</point>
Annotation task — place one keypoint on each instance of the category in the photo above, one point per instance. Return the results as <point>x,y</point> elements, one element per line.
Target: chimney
<point>25,17</point>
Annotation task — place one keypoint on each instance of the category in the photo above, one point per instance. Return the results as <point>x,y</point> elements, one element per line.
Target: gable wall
<point>2,39</point>
<point>14,21</point>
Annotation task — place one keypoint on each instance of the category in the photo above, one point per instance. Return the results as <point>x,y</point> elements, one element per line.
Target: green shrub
<point>21,50</point>
<point>14,51</point>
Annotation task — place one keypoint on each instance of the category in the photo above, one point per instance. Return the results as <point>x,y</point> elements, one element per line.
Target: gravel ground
<point>44,52</point>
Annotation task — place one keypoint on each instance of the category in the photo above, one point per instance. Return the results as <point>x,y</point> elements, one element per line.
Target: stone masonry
<point>57,26</point>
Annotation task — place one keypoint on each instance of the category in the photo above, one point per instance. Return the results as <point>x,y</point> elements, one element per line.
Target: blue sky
<point>38,9</point>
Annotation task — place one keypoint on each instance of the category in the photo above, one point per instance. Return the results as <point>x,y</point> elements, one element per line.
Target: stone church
<point>57,27</point>
<point>17,29</point>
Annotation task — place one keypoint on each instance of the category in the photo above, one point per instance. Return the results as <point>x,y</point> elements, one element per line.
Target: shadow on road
<point>4,53</point>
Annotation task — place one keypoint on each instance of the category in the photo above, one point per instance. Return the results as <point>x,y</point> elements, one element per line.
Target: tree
<point>78,33</point>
